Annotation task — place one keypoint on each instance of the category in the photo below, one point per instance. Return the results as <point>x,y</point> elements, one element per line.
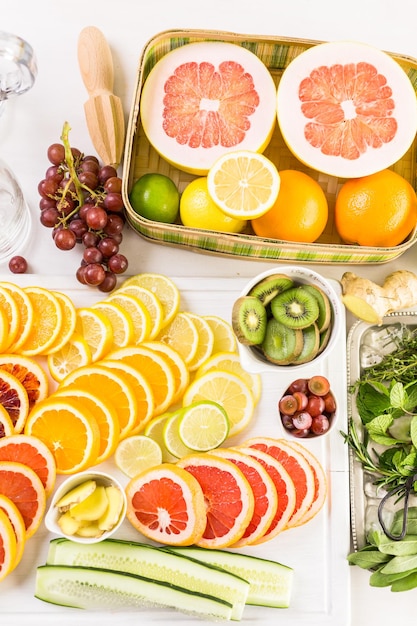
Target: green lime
<point>155,197</point>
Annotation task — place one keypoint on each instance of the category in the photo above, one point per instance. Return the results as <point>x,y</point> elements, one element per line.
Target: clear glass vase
<point>15,218</point>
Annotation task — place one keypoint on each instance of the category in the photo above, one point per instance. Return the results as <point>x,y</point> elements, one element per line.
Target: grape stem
<point>70,163</point>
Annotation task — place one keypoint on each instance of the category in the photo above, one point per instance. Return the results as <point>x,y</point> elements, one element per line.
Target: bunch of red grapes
<point>81,201</point>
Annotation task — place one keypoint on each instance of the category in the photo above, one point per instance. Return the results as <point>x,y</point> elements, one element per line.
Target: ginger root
<point>370,302</point>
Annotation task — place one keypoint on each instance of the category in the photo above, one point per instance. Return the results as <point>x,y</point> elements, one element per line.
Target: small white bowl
<point>52,515</point>
<point>252,360</point>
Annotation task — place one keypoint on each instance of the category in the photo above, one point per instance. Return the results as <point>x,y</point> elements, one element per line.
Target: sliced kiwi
<point>295,307</point>
<point>249,320</point>
<point>270,287</point>
<point>311,343</point>
<point>324,338</point>
<point>281,344</point>
<point>325,308</point>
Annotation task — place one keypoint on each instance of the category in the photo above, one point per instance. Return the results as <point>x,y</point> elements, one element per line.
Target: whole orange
<point>376,210</point>
<point>300,212</point>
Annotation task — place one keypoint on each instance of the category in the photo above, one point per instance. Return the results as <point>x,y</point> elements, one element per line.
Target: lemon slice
<point>155,430</point>
<point>137,453</point>
<point>69,319</point>
<point>243,184</point>
<point>203,426</point>
<point>96,330</point>
<point>138,312</point>
<point>163,288</point>
<point>182,335</point>
<point>205,341</point>
<point>230,362</point>
<point>121,321</point>
<point>152,304</point>
<point>224,336</point>
<point>228,390</point>
<point>171,436</point>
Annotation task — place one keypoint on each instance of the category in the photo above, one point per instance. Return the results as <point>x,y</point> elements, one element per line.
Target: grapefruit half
<point>207,98</point>
<point>346,109</point>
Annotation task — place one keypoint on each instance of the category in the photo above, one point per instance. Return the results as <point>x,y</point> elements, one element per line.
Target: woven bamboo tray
<point>140,158</point>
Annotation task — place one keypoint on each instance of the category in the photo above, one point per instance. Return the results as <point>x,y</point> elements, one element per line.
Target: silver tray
<point>364,496</point>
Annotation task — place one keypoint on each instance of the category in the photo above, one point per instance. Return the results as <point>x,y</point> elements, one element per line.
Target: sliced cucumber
<point>98,589</point>
<point>154,563</point>
<point>270,581</point>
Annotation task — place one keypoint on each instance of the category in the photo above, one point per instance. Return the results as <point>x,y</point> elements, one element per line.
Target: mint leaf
<point>413,431</point>
<point>398,396</point>
<point>377,429</point>
<point>371,402</point>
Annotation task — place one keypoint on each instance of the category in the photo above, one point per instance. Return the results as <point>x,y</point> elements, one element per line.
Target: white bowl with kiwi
<point>286,317</point>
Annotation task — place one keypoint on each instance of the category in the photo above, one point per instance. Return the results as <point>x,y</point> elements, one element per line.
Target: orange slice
<point>138,313</point>
<point>284,487</point>
<point>105,415</point>
<point>24,487</point>
<point>8,548</point>
<point>182,335</point>
<point>18,525</point>
<point>177,364</point>
<point>32,452</point>
<point>228,497</point>
<point>47,317</point>
<point>69,430</point>
<point>14,398</point>
<point>109,385</point>
<point>142,390</point>
<point>166,504</point>
<point>264,492</point>
<point>26,315</point>
<point>4,331</point>
<point>9,306</point>
<point>297,467</point>
<point>96,330</point>
<point>156,370</point>
<point>69,319</point>
<point>74,353</point>
<point>6,424</point>
<point>29,372</point>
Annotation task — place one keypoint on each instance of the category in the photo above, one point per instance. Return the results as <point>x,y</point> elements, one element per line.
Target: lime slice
<point>172,439</point>
<point>155,430</point>
<point>203,426</point>
<point>137,453</point>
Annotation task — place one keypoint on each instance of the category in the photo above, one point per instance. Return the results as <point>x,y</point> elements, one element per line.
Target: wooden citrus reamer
<point>103,110</point>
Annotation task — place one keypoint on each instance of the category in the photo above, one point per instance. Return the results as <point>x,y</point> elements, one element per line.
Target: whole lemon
<point>197,210</point>
<point>156,197</point>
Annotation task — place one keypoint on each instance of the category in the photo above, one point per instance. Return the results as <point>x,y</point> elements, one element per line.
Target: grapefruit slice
<point>346,109</point>
<point>166,504</point>
<point>297,467</point>
<point>264,491</point>
<point>24,487</point>
<point>284,487</point>
<point>228,498</point>
<point>207,98</point>
<point>32,452</point>
<point>320,482</point>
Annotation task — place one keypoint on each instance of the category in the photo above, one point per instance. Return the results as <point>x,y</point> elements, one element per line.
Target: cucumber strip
<point>270,581</point>
<point>98,589</point>
<point>155,563</point>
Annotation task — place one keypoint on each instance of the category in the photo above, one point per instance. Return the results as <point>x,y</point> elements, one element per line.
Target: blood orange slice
<point>166,504</point>
<point>7,546</point>
<point>264,491</point>
<point>284,487</point>
<point>16,519</point>
<point>346,109</point>
<point>14,398</point>
<point>6,424</point>
<point>32,452</point>
<point>207,98</point>
<point>297,467</point>
<point>24,487</point>
<point>29,372</point>
<point>320,482</point>
<point>228,497</point>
